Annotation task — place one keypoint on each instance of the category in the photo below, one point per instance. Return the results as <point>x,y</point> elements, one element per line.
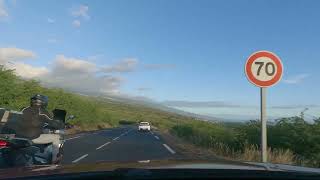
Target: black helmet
<point>39,100</point>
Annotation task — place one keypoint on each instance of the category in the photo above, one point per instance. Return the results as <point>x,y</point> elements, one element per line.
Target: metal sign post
<point>263,69</point>
<point>263,117</point>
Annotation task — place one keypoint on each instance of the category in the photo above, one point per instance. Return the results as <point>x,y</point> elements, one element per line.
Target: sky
<point>169,50</point>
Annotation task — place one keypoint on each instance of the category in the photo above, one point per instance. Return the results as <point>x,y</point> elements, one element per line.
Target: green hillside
<point>90,112</point>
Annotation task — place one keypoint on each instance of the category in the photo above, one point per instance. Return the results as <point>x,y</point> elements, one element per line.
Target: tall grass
<point>242,143</point>
<point>253,153</point>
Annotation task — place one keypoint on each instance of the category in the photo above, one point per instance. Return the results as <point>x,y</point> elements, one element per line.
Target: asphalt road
<point>125,143</point>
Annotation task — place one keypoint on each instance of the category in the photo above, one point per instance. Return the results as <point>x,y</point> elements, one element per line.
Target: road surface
<point>124,143</point>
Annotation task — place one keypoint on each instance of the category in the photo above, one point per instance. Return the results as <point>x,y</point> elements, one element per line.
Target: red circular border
<point>274,58</point>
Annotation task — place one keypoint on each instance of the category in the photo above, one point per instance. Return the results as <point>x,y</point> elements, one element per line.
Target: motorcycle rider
<point>34,119</point>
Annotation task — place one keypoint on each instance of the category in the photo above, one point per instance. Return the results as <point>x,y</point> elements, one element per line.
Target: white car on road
<point>144,126</point>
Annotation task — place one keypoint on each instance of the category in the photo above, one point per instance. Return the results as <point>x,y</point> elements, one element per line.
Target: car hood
<point>163,164</point>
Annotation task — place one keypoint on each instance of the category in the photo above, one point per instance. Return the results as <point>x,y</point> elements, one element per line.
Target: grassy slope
<point>90,112</point>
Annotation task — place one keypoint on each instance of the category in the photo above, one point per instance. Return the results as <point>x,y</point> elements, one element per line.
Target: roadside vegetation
<point>291,140</point>
<point>15,94</point>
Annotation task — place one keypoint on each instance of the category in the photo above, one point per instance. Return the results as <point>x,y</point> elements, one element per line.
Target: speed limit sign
<point>263,69</point>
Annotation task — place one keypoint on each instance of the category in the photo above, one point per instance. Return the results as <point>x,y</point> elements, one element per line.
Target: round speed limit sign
<point>264,69</point>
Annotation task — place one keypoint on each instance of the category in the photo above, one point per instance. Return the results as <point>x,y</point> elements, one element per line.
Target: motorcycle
<point>16,151</point>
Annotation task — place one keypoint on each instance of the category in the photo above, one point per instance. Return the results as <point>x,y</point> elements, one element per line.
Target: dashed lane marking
<point>169,149</point>
<point>102,145</point>
<point>72,138</point>
<point>144,161</point>
<point>77,160</point>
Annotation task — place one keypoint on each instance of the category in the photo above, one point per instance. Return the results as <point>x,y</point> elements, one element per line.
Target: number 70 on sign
<point>263,69</point>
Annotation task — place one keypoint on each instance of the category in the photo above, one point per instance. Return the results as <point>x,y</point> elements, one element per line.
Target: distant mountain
<point>143,101</point>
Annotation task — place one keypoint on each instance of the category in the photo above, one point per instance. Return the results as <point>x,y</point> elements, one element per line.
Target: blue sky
<point>169,49</point>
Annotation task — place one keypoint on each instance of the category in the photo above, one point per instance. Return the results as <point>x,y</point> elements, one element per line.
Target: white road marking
<point>80,158</point>
<point>115,138</point>
<point>123,134</point>
<point>157,137</point>
<point>72,138</point>
<point>5,116</point>
<point>102,145</point>
<point>169,149</point>
<point>144,161</point>
<point>127,132</point>
<point>52,167</point>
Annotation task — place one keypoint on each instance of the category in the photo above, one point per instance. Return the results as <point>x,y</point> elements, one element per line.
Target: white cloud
<point>71,65</point>
<point>294,106</point>
<point>50,20</point>
<point>201,104</point>
<point>15,54</point>
<point>80,76</point>
<point>27,71</point>
<point>296,79</point>
<point>10,56</point>
<point>74,74</point>
<point>130,64</point>
<point>80,11</point>
<point>76,23</point>
<point>3,11</point>
<point>126,65</point>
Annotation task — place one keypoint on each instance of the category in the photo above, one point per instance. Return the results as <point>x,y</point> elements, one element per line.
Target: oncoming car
<point>144,126</point>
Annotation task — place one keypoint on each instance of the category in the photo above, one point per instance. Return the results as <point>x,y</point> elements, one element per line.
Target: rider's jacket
<point>32,122</point>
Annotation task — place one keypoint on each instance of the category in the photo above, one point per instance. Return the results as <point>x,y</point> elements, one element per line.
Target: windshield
<point>115,82</point>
